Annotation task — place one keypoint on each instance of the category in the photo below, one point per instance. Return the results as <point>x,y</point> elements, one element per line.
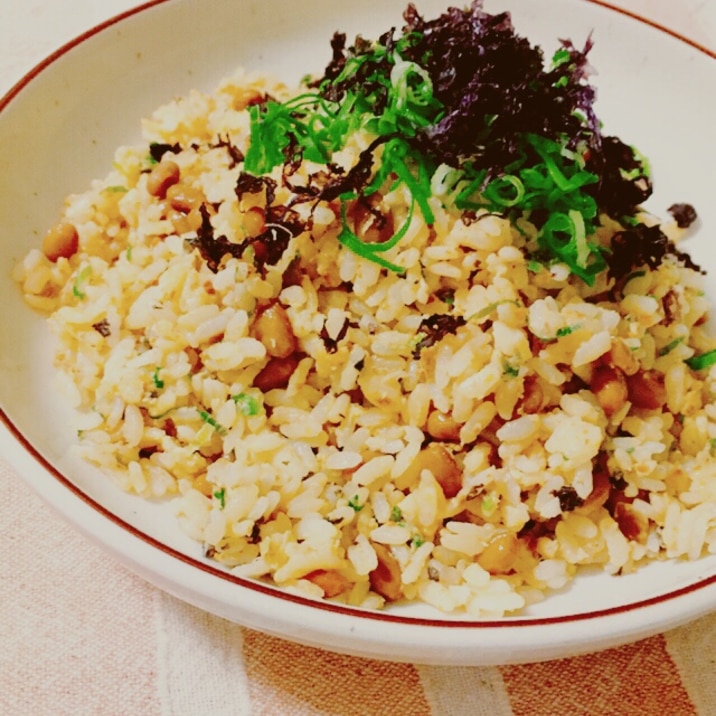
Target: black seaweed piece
<point>250,184</point>
<point>102,327</point>
<point>684,215</point>
<point>434,328</point>
<point>642,245</point>
<point>357,176</point>
<point>236,155</point>
<point>158,149</point>
<point>568,498</point>
<point>495,88</point>
<point>213,249</point>
<point>331,344</point>
<point>367,77</point>
<point>270,245</point>
<point>624,183</point>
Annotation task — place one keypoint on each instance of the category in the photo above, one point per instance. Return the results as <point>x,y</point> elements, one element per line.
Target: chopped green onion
<point>566,330</point>
<point>505,191</point>
<point>80,281</point>
<point>354,503</point>
<point>158,382</point>
<point>247,404</point>
<point>371,251</point>
<point>560,57</point>
<point>220,495</point>
<point>634,274</point>
<point>702,361</point>
<point>534,266</point>
<point>509,370</point>
<point>489,504</point>
<point>670,346</point>
<point>417,541</point>
<point>487,310</point>
<point>564,236</point>
<point>210,420</point>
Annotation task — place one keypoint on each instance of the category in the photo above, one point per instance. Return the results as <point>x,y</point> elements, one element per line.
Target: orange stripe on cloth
<point>692,649</point>
<point>635,680</point>
<point>78,634</point>
<point>286,678</point>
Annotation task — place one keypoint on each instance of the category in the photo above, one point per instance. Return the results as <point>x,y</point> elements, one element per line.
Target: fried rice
<point>316,432</point>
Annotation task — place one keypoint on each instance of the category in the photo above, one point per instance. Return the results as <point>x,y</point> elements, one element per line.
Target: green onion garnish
<point>702,361</point>
<point>80,281</point>
<point>247,404</point>
<point>210,420</point>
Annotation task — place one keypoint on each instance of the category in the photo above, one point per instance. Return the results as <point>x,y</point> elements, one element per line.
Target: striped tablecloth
<point>80,635</point>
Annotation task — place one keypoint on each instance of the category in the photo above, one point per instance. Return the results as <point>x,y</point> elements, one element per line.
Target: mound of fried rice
<point>314,434</point>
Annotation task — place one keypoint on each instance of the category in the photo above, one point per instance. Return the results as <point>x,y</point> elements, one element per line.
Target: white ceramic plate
<point>58,129</point>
